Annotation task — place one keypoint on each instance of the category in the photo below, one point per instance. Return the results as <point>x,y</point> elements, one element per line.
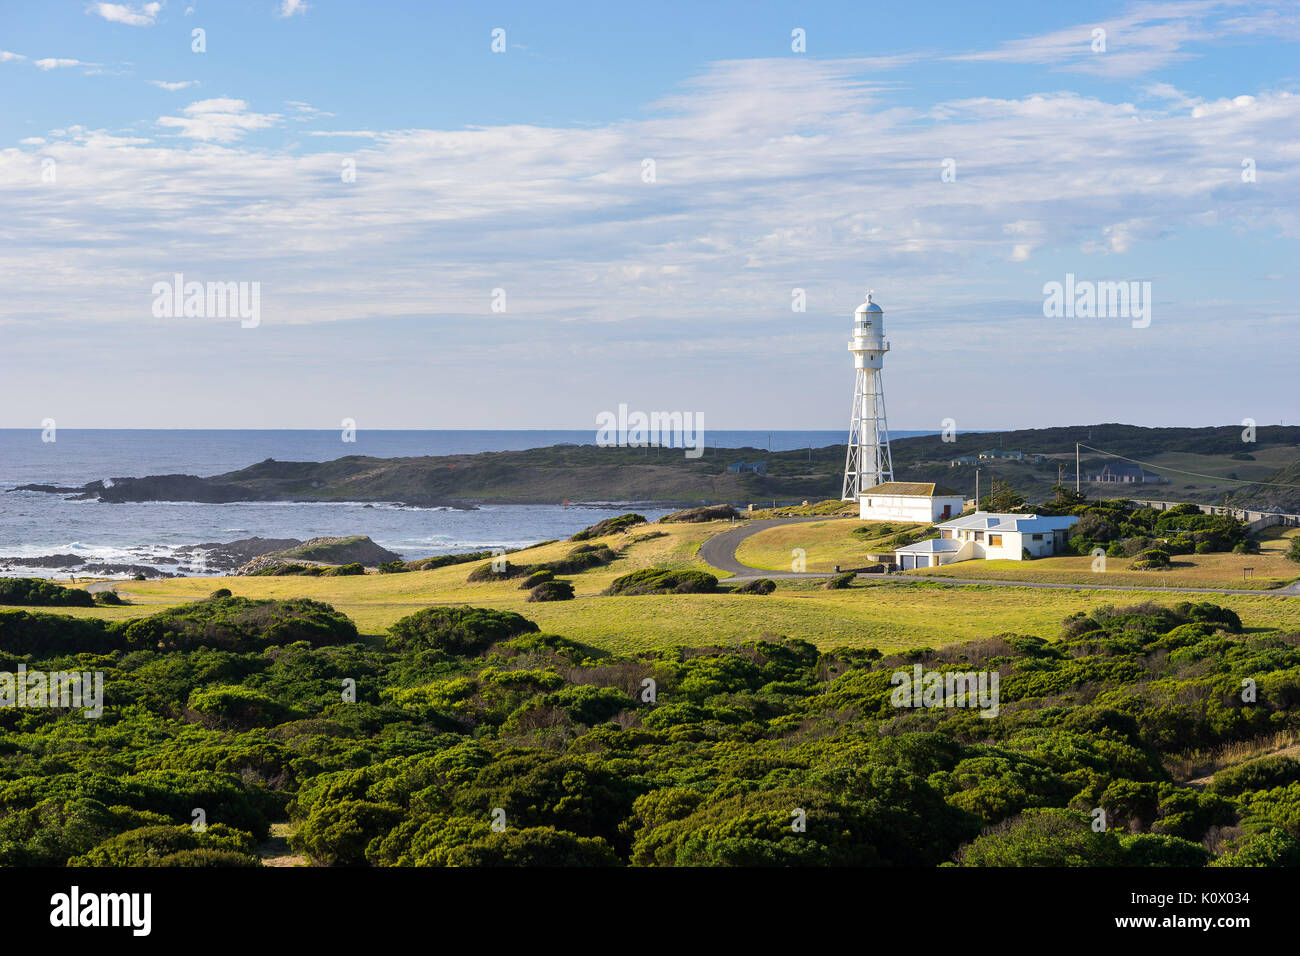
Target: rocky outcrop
<point>357,549</point>
<point>226,556</point>
<point>44,561</point>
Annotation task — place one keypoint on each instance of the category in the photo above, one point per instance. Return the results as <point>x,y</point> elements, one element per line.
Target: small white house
<point>909,501</point>
<point>985,535</point>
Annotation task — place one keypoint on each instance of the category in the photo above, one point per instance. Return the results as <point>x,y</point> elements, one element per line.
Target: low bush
<point>458,631</point>
<point>664,581</point>
<point>757,586</point>
<point>840,581</point>
<point>1150,560</point>
<point>552,591</point>
<point>609,526</point>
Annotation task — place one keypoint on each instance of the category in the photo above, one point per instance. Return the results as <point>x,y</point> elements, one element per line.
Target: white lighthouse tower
<point>868,462</point>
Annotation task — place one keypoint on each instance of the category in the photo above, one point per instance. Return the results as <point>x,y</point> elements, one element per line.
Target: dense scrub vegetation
<point>34,592</point>
<point>1124,529</point>
<point>472,738</point>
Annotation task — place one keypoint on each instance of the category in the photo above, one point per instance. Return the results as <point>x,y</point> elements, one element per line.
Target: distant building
<point>1125,473</point>
<point>996,453</point>
<point>909,501</point>
<point>748,468</point>
<point>964,460</point>
<point>987,535</point>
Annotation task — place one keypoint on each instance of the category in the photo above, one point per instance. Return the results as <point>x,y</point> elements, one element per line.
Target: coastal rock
<point>44,561</point>
<point>358,549</point>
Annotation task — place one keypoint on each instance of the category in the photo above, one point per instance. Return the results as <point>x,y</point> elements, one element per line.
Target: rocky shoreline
<point>214,557</point>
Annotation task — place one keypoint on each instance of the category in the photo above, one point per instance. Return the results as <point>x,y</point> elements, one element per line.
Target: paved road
<point>720,552</point>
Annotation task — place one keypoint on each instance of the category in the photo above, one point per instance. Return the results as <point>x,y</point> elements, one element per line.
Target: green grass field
<point>886,616</point>
<point>825,544</point>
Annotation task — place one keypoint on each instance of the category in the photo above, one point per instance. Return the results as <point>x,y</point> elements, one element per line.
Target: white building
<point>985,535</point>
<point>918,501</point>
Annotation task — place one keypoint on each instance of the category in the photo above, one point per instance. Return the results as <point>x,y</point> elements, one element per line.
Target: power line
<point>1179,471</point>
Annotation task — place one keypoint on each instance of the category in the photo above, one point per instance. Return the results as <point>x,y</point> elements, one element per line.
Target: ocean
<point>33,524</point>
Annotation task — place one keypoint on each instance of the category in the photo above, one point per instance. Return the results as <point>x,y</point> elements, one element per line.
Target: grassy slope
<point>884,616</point>
<point>825,543</point>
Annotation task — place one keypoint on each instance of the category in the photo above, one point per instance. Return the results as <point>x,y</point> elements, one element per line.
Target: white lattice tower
<point>868,462</point>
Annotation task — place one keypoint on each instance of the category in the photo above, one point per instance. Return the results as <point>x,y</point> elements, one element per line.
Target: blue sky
<point>125,157</point>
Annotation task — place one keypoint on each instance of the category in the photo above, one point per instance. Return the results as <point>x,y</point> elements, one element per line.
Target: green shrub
<point>533,846</point>
<point>459,631</point>
<point>840,581</point>
<point>1151,559</point>
<point>1044,837</point>
<point>1151,849</point>
<point>337,834</point>
<point>1263,774</point>
<point>150,846</point>
<point>237,707</point>
<point>609,526</point>
<point>552,591</point>
<point>207,857</point>
<point>535,579</point>
<point>757,586</point>
<point>237,624</point>
<point>664,581</point>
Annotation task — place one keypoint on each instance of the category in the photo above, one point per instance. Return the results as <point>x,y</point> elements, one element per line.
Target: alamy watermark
<point>82,690</point>
<point>211,300</point>
<point>1085,299</point>
<point>922,688</point>
<point>641,430</point>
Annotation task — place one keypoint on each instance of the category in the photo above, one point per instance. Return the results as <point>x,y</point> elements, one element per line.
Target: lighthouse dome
<point>869,307</point>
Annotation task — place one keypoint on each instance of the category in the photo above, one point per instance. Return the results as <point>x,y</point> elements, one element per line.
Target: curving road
<point>720,552</point>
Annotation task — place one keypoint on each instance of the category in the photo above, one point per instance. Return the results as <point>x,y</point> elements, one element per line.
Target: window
<point>1038,537</point>
<point>979,535</point>
<point>995,541</point>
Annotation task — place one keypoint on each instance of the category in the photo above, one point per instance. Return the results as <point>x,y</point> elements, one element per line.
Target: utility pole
<point>1076,467</point>
<point>977,489</point>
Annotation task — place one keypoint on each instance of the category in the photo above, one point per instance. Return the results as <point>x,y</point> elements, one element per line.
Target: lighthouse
<point>868,462</point>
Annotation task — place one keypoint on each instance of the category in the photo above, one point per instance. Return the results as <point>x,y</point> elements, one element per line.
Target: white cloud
<point>1148,36</point>
<point>769,175</point>
<point>54,63</point>
<point>218,120</point>
<point>290,7</point>
<point>142,15</point>
<point>305,111</point>
<point>6,56</point>
<point>179,85</point>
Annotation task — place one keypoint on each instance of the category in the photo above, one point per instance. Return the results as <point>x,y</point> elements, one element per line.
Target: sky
<point>505,216</point>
